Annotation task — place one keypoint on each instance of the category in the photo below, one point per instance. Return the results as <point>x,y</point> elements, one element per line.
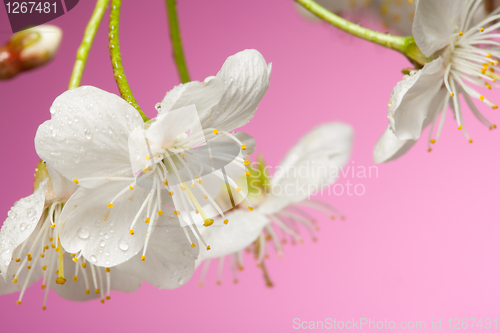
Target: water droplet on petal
<point>30,212</point>
<point>88,135</point>
<point>83,234</point>
<point>22,226</point>
<point>93,258</point>
<point>102,244</point>
<point>123,246</point>
<point>181,281</point>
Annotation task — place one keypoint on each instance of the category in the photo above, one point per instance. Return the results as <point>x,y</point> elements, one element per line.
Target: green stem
<point>404,45</point>
<point>175,36</point>
<point>88,38</point>
<point>116,58</point>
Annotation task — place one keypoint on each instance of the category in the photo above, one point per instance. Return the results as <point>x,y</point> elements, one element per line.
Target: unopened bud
<point>28,49</point>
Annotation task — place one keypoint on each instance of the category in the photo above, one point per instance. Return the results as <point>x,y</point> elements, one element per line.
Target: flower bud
<point>29,49</point>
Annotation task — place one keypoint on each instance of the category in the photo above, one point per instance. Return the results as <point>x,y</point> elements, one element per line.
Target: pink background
<point>421,244</point>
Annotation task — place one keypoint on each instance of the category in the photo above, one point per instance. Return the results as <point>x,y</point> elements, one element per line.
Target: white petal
<point>87,224</point>
<point>389,147</point>
<point>75,290</point>
<point>87,136</point>
<point>248,141</point>
<point>20,224</point>
<point>314,162</point>
<point>435,22</point>
<point>61,187</point>
<point>203,95</point>
<point>246,79</point>
<point>242,229</point>
<point>411,99</point>
<point>170,125</point>
<point>169,258</point>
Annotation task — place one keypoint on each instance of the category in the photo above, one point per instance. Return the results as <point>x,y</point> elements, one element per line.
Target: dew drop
<point>22,226</point>
<point>102,244</point>
<point>88,135</point>
<point>30,212</point>
<point>83,234</point>
<point>52,110</point>
<point>181,281</point>
<point>123,246</point>
<point>93,258</point>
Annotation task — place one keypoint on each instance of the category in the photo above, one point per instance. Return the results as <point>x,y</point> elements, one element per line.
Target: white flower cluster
<point>119,201</point>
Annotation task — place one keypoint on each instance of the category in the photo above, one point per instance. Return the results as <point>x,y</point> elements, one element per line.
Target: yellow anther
<point>192,245</point>
<point>147,220</point>
<point>51,239</point>
<point>44,307</point>
<point>58,249</point>
<point>481,97</point>
<point>165,182</point>
<point>183,188</point>
<point>76,181</point>
<point>250,208</point>
<point>108,298</point>
<point>44,286</point>
<point>84,265</point>
<point>19,259</point>
<point>208,247</point>
<point>494,126</point>
<point>102,301</point>
<point>110,205</point>
<point>60,280</point>
<point>482,29</point>
<point>460,33</point>
<point>182,155</point>
<point>488,85</point>
<point>226,221</point>
<point>52,226</point>
<point>200,182</point>
<point>97,291</point>
<point>208,222</point>
<point>131,187</point>
<point>57,272</point>
<point>18,302</point>
<point>52,246</point>
<point>131,231</point>
<point>429,150</point>
<point>143,258</point>
<point>488,55</point>
<point>108,269</point>
<point>28,267</point>
<point>460,127</point>
<point>145,170</point>
<point>470,140</point>
<point>246,162</point>
<point>494,107</point>
<point>238,189</point>
<point>243,147</point>
<point>14,281</point>
<point>75,259</point>
<point>29,257</point>
<point>87,291</point>
<point>196,211</point>
<point>192,186</point>
<point>160,212</point>
<point>216,131</point>
<point>44,268</point>
<point>72,254</point>
<point>75,278</point>
<point>176,212</point>
<point>196,176</point>
<point>433,141</point>
<point>247,173</point>
<point>452,94</point>
<point>171,192</point>
<point>147,156</point>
